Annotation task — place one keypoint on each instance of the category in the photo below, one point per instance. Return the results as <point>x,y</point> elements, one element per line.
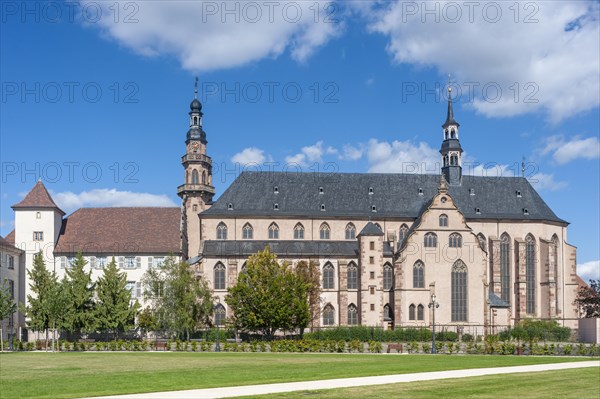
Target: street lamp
<point>217,321</point>
<point>433,305</point>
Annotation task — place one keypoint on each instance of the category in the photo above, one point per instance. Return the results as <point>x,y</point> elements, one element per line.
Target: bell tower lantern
<point>451,150</point>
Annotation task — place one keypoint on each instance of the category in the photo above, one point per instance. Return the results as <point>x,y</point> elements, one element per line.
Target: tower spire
<point>196,88</point>
<point>451,150</point>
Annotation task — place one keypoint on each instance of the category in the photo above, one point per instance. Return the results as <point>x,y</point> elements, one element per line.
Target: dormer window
<point>321,191</point>
<point>230,206</point>
<point>276,206</point>
<point>370,190</point>
<point>518,193</point>
<point>420,191</point>
<point>477,211</point>
<point>275,190</point>
<point>525,211</point>
<point>322,207</point>
<point>373,208</point>
<point>472,191</point>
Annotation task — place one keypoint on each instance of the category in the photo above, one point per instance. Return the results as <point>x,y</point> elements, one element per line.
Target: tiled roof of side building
<point>282,248</point>
<point>5,243</point>
<point>38,198</point>
<point>121,231</point>
<point>10,237</point>
<point>364,195</point>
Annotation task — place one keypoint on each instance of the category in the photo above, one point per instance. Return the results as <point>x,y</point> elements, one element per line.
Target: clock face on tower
<point>195,146</point>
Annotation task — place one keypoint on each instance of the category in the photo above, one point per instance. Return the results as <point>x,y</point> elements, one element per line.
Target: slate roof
<point>38,198</point>
<point>121,230</point>
<point>371,229</point>
<point>394,195</point>
<point>324,248</point>
<point>497,302</point>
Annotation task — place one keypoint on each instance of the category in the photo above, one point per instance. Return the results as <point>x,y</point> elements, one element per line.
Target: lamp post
<point>433,305</point>
<point>217,321</point>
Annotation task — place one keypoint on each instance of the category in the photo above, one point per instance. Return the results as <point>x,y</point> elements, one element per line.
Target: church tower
<point>197,191</point>
<point>451,150</point>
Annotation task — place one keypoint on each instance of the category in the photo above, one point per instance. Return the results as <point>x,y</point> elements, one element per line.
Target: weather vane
<point>196,87</point>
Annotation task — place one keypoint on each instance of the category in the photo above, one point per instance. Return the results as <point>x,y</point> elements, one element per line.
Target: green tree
<point>270,296</point>
<point>41,285</point>
<point>181,301</point>
<point>114,314</point>
<point>311,274</point>
<point>79,289</point>
<point>7,307</point>
<point>588,300</point>
<point>147,321</point>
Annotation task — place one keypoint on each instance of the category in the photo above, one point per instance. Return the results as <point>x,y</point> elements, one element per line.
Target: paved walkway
<point>229,392</point>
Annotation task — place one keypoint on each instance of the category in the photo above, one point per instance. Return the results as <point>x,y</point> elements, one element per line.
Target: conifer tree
<point>80,306</point>
<point>113,311</point>
<point>7,307</point>
<point>40,286</point>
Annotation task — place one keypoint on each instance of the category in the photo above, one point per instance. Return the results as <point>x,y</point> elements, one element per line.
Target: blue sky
<point>95,95</point>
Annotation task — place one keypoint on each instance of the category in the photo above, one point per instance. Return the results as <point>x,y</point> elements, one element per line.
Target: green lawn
<point>564,384</point>
<point>69,375</point>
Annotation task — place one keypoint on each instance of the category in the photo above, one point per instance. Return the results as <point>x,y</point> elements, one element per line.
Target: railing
<point>196,157</point>
<point>195,187</point>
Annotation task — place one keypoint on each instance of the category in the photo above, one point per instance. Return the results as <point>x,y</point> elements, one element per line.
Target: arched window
<point>352,315</point>
<point>446,134</point>
<point>203,177</point>
<point>243,269</point>
<point>273,231</point>
<point>247,232</point>
<point>350,232</point>
<point>352,276</point>
<point>195,120</point>
<point>430,240</point>
<point>187,177</point>
<point>445,160</point>
<point>443,220</point>
<point>195,178</point>
<point>420,312</point>
<point>459,291</point>
<point>299,232</point>
<point>505,267</point>
<point>482,241</point>
<point>419,275</point>
<point>455,240</point>
<point>328,277</point>
<point>324,231</point>
<point>328,315</point>
<point>222,231</point>
<point>387,315</point>
<point>388,276</point>
<point>530,273</point>
<point>411,312</point>
<point>402,234</point>
<point>220,314</point>
<point>219,276</point>
<point>452,133</point>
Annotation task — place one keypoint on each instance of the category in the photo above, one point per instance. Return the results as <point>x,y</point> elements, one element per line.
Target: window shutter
<point>150,261</point>
<point>138,262</point>
<point>138,289</point>
<point>63,262</point>
<point>93,262</point>
<point>121,262</point>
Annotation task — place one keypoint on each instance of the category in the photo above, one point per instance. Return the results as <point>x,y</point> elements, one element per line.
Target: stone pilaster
<point>232,273</point>
<point>398,286</point>
<point>520,279</point>
<point>343,292</point>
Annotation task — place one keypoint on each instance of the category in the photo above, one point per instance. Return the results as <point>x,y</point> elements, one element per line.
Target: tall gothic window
<point>328,315</point>
<point>402,234</point>
<point>530,273</point>
<point>299,232</point>
<point>352,276</point>
<point>274,231</point>
<point>222,231</point>
<point>247,232</point>
<point>352,315</point>
<point>443,220</point>
<point>430,240</point>
<point>324,232</point>
<point>195,177</point>
<point>419,275</point>
<point>420,312</point>
<point>328,277</point>
<point>387,315</point>
<point>388,277</point>
<point>505,267</point>
<point>459,291</point>
<point>220,314</point>
<point>555,253</point>
<point>455,240</point>
<point>350,232</point>
<point>219,276</point>
<point>411,312</point>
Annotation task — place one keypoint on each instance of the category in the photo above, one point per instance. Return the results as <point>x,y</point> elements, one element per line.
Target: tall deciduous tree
<point>80,307</point>
<point>270,296</point>
<point>114,314</point>
<point>311,274</point>
<point>181,302</point>
<point>588,299</point>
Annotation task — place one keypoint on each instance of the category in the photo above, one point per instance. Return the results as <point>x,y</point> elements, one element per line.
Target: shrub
<point>467,338</point>
<point>253,346</point>
<point>355,346</point>
<point>413,347</point>
<point>568,350</point>
<point>375,347</point>
<point>205,346</point>
<point>194,346</point>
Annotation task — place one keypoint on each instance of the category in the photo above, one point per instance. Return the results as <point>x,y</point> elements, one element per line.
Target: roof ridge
<point>38,197</point>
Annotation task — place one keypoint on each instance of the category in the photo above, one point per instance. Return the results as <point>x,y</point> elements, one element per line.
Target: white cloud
<point>402,157</point>
<point>104,197</point>
<point>564,151</point>
<point>549,51</point>
<point>589,270</point>
<point>352,153</point>
<point>543,181</point>
<point>209,35</point>
<point>250,155</point>
<point>310,154</point>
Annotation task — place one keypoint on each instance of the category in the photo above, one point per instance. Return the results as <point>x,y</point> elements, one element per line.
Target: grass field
<point>563,384</point>
<point>71,375</point>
